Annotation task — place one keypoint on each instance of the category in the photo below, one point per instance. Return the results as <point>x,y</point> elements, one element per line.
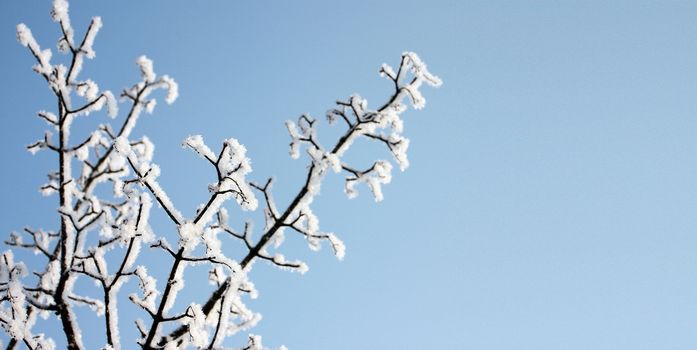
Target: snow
<point>82,153</point>
<point>146,202</point>
<point>150,106</point>
<point>217,275</point>
<point>90,36</point>
<point>387,70</point>
<point>59,13</point>
<point>25,37</point>
<point>190,236</point>
<point>333,161</point>
<point>146,69</point>
<point>302,133</point>
<point>358,105</point>
<point>195,142</point>
<point>49,117</point>
<point>112,107</point>
<point>176,285</point>
<point>337,245</point>
<point>172,89</point>
<point>400,145</point>
<point>57,81</point>
<point>87,89</point>
<point>122,146</point>
<point>148,287</point>
<point>234,165</point>
<point>294,144</point>
<point>96,305</point>
<point>197,326</point>
<point>419,69</point>
<point>295,265</point>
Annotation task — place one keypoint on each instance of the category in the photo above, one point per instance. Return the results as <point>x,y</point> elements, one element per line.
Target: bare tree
<point>102,237</point>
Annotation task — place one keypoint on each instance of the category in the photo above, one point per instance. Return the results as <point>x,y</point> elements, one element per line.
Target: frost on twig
<point>120,221</point>
<point>106,238</point>
<point>383,124</point>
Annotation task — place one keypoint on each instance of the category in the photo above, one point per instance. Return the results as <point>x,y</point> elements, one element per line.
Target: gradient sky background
<point>551,201</point>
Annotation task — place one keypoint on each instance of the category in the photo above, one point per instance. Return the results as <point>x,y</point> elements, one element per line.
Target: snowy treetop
<point>102,237</point>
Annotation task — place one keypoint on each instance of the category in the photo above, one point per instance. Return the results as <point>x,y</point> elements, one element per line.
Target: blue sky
<point>551,198</point>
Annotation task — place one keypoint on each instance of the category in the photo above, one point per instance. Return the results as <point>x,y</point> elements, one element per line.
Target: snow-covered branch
<point>105,236</point>
<point>298,215</point>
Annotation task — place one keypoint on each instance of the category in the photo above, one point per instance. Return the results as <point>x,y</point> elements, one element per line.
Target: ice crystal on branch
<point>107,239</point>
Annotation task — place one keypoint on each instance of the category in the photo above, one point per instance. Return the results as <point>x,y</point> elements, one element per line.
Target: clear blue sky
<point>552,198</point>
